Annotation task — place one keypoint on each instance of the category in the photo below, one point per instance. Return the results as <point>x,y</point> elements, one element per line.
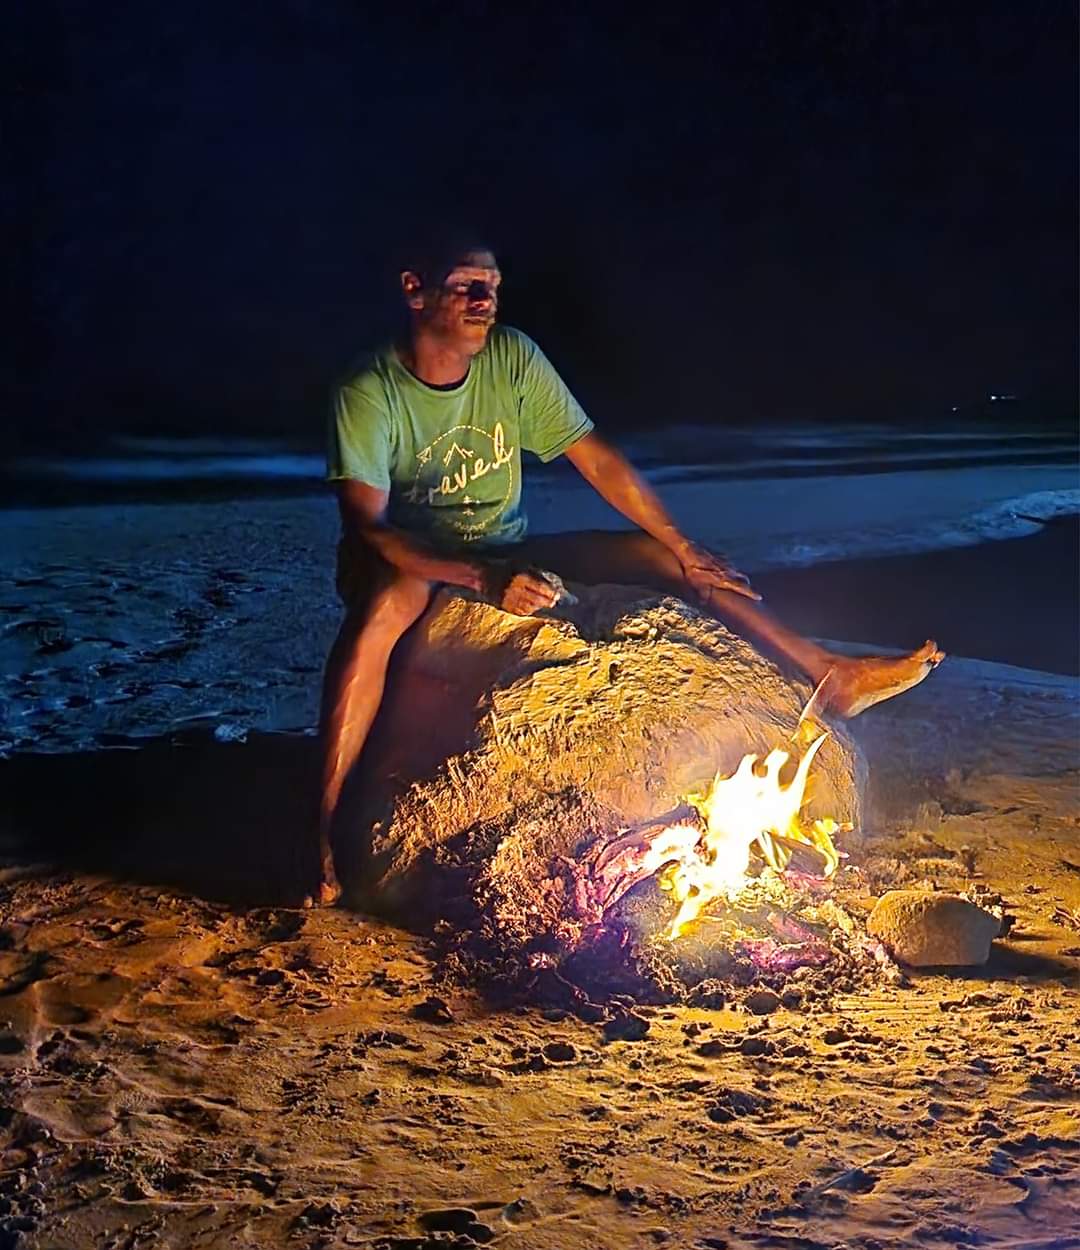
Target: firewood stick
<point>800,856</point>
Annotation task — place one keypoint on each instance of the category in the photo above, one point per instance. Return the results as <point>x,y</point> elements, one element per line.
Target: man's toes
<point>929,653</point>
<point>326,895</point>
<point>329,893</point>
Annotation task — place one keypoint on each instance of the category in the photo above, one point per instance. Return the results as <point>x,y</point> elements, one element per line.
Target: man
<point>425,448</point>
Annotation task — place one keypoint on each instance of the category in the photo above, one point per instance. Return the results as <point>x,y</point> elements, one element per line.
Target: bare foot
<point>327,894</point>
<point>854,684</point>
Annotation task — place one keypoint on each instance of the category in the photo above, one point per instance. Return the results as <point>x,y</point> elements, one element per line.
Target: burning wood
<point>708,858</point>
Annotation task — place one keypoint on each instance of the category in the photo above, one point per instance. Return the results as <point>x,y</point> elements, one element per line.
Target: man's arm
<point>608,471</point>
<point>363,518</point>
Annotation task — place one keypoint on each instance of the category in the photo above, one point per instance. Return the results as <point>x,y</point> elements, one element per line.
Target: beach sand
<point>188,1059</point>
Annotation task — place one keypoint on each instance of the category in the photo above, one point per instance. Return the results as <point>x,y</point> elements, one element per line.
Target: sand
<point>188,1059</point>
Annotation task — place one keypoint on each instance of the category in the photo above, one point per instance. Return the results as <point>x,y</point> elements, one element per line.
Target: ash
<point>784,938</point>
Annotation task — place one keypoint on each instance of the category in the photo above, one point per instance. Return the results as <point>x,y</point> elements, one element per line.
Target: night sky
<point>773,211</point>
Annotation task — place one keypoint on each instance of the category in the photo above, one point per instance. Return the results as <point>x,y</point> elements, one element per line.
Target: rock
<point>754,1046</point>
<point>318,1215</point>
<point>593,1183</point>
<point>521,1211</point>
<point>762,1002</point>
<point>433,1010</point>
<point>530,761</point>
<point>927,930</point>
<point>709,994</point>
<point>710,1049</point>
<point>627,1028</point>
<point>447,1220</point>
<point>560,1052</point>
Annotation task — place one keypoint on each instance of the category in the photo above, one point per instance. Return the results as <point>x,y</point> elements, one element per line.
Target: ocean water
<point>768,496</point>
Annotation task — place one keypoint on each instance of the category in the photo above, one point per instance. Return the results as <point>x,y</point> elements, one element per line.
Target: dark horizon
<point>862,213</point>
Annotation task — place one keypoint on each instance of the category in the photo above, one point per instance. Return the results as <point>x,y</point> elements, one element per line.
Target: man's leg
<point>352,691</point>
<point>596,556</point>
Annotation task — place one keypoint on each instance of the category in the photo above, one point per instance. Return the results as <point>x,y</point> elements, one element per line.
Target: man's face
<point>462,310</point>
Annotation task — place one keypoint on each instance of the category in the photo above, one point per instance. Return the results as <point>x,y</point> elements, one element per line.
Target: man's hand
<point>706,572</point>
<point>615,479</point>
<point>522,592</point>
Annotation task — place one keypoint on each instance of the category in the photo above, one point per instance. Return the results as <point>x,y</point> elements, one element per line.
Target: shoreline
<point>1012,601</point>
<point>220,618</point>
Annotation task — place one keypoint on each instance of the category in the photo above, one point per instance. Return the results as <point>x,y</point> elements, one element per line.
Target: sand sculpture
<point>510,748</point>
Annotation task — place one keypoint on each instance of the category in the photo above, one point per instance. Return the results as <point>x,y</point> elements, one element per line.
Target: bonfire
<point>751,807</point>
<point>644,806</point>
<point>700,857</point>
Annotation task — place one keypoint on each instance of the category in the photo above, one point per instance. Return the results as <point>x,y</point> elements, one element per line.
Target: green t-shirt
<point>451,459</point>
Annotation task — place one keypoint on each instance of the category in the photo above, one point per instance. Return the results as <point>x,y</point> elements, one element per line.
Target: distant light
<point>955,408</point>
<point>992,398</point>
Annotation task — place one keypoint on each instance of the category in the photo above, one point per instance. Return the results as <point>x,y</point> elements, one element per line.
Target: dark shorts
<point>361,570</point>
<point>586,556</point>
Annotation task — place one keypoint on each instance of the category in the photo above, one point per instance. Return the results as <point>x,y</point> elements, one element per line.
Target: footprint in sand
<point>277,926</point>
<point>18,969</point>
<point>193,1113</point>
<point>71,1119</point>
<point>125,929</point>
<point>78,999</point>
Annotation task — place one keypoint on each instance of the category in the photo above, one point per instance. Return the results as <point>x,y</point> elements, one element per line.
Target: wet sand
<point>1016,601</point>
<point>124,624</point>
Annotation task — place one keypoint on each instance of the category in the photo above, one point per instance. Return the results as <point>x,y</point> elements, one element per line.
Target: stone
<point>626,1028</point>
<point>521,1211</point>
<point>505,760</point>
<point>925,930</point>
<point>434,1010</point>
<point>447,1219</point>
<point>714,1047</point>
<point>762,1002</point>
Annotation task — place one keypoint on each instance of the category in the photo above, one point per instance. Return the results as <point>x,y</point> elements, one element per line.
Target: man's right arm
<point>363,518</point>
<point>359,454</point>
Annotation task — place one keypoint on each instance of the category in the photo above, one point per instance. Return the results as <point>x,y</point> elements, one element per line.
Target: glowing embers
<point>751,806</point>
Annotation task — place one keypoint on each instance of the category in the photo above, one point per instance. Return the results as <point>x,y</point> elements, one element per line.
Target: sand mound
<point>561,734</point>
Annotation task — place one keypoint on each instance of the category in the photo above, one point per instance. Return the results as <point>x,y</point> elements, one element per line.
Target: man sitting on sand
<point>425,448</point>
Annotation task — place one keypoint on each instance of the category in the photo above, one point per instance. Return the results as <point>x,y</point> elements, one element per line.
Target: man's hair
<point>434,253</point>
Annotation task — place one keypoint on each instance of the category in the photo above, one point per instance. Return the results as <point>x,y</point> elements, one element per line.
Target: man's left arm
<point>616,480</point>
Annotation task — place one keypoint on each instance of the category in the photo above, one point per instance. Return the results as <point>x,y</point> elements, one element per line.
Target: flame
<point>738,811</point>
